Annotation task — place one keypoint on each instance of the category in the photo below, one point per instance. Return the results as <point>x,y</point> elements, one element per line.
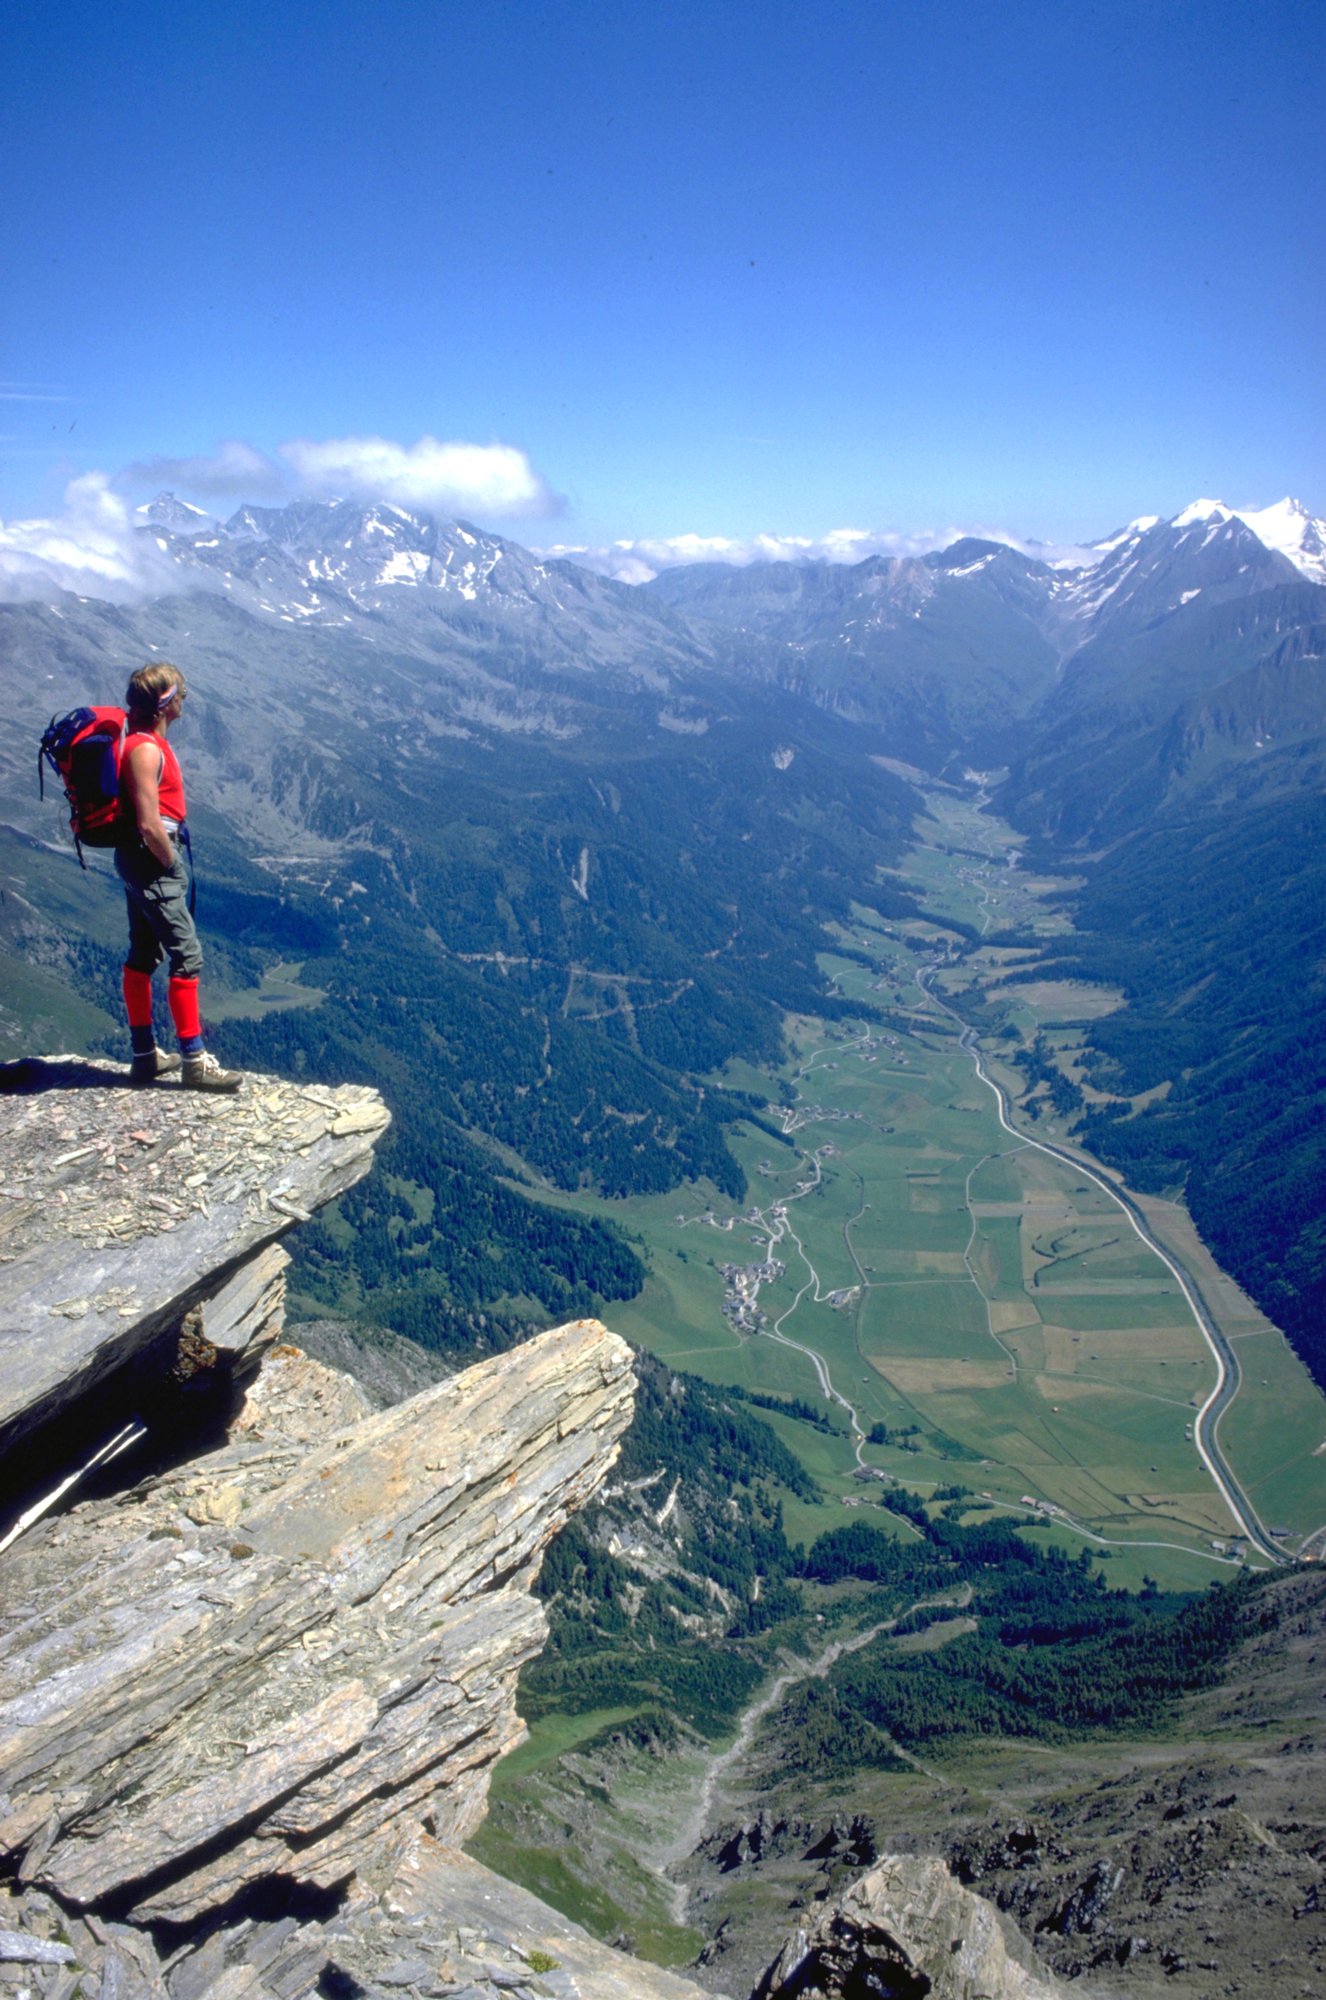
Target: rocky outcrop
<point>284,1661</point>
<point>444,1926</point>
<point>256,1670</point>
<point>128,1217</point>
<point>905,1930</point>
<point>253,1685</point>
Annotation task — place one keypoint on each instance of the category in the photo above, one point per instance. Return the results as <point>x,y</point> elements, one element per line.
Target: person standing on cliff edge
<point>150,863</point>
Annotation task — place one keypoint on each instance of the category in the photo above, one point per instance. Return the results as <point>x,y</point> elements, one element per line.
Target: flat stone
<point>68,1320</point>
<point>286,1660</point>
<point>19,1947</point>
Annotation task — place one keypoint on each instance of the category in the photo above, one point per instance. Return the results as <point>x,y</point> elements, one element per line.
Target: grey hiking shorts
<point>159,922</point>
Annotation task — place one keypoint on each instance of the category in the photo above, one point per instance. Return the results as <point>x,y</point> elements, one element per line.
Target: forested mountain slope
<point>1213,921</point>
<point>537,914</point>
<point>1182,769</point>
<point>546,852</point>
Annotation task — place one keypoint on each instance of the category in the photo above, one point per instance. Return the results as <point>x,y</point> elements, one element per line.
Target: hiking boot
<point>204,1072</point>
<point>147,1068</point>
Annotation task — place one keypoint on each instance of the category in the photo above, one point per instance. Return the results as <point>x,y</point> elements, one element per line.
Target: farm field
<point>986,1311</point>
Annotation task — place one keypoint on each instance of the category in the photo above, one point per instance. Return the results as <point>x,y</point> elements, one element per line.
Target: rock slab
<point>122,1210</point>
<point>286,1660</point>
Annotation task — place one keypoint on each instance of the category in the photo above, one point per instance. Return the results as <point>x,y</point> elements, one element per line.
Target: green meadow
<point>986,1304</point>
<point>279,987</point>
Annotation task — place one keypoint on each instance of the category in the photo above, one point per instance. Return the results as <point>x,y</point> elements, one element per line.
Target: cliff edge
<point>258,1642</point>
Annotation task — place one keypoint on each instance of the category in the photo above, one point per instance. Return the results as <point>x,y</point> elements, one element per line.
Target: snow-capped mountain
<point>1286,527</point>
<point>179,516</point>
<point>328,563</point>
<point>1152,569</point>
<point>379,570</point>
<point>322,561</point>
<point>961,644</point>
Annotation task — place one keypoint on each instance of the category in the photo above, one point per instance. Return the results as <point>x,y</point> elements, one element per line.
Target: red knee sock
<point>137,987</point>
<point>183,997</point>
<point>137,997</point>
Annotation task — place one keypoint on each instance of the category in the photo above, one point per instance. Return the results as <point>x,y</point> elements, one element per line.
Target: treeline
<point>690,1427</point>
<point>433,1245</point>
<point>1043,1074</point>
<point>469,979</point>
<point>1113,1674</point>
<point>814,1414</point>
<point>1055,1653</point>
<point>687,1634</point>
<point>910,1437</point>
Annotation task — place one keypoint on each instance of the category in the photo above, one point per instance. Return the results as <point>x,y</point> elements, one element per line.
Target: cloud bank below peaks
<point>638,561</point>
<point>96,545</point>
<point>435,476</point>
<point>92,548</point>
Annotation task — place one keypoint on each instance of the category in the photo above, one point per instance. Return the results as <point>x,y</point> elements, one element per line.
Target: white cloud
<point>235,470</point>
<point>96,546</point>
<point>438,477</point>
<point>638,561</point>
<point>92,548</point>
<point>447,478</point>
<point>31,392</point>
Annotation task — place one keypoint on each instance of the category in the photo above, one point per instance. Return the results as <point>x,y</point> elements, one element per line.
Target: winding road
<point>774,1225</point>
<point>1228,1373</point>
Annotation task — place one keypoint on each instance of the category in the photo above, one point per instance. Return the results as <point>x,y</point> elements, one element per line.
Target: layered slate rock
<point>255,1679</point>
<point>445,1926</point>
<point>907,1929</point>
<point>122,1211</point>
<point>283,1662</point>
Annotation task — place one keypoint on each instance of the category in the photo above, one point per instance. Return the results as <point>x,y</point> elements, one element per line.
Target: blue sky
<point>716,269</point>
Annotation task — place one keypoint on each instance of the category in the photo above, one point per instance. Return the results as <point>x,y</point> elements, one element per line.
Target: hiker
<point>150,863</point>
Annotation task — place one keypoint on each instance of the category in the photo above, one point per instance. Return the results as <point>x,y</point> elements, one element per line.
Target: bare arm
<point>140,774</point>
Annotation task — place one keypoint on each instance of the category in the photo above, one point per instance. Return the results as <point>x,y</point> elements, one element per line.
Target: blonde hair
<point>147,686</point>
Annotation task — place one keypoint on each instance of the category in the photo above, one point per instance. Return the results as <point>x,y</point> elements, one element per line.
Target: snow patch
<point>1141,526</point>
<point>404,566</point>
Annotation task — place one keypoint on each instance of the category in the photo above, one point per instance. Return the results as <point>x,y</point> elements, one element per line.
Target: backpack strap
<point>187,845</point>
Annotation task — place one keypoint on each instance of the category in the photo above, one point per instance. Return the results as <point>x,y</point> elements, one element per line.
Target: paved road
<point>1229,1375</point>
<point>774,1224</point>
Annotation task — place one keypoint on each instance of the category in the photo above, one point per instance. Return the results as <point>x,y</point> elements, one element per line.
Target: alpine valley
<point>934,943</point>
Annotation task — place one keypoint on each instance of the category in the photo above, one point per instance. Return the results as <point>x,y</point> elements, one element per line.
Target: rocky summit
<point>121,1211</point>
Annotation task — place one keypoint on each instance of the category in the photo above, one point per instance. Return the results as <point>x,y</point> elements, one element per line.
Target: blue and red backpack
<point>83,749</point>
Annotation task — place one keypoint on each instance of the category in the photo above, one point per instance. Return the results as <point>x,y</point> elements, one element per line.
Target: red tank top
<point>170,786</point>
